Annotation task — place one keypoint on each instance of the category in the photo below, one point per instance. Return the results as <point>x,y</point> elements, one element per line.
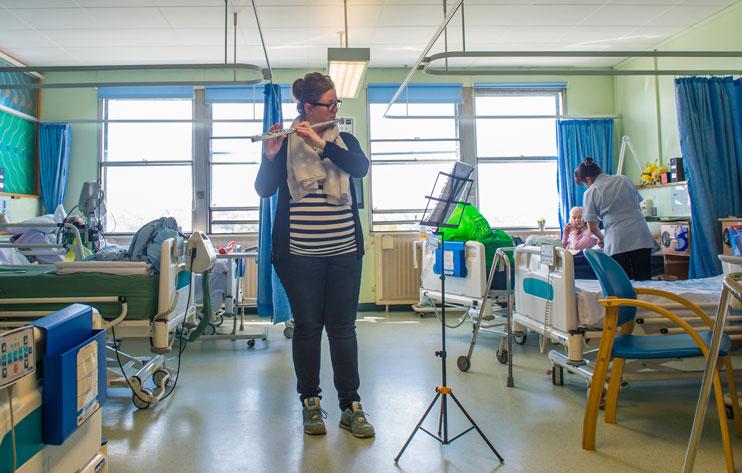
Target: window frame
<point>397,225</point>
<point>525,90</point>
<point>104,164</point>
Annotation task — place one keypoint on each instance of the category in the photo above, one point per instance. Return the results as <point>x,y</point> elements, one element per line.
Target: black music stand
<point>454,191</point>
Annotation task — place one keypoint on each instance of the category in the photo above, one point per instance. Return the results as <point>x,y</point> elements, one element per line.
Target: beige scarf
<point>306,170</point>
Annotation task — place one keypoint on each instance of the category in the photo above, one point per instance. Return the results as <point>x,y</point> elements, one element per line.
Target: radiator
<point>397,277</point>
<point>249,289</point>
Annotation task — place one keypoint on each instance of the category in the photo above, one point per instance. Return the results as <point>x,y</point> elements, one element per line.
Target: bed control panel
<point>16,355</point>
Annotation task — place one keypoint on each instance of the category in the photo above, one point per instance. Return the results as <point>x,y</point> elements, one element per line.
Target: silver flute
<point>287,131</point>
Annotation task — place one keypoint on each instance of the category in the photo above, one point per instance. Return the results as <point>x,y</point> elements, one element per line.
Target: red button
<point>15,368</point>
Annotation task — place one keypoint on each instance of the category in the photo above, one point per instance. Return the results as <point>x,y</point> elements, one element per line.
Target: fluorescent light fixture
<point>346,67</point>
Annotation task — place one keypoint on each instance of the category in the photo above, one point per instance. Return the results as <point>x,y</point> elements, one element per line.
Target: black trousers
<point>636,263</point>
<point>323,293</point>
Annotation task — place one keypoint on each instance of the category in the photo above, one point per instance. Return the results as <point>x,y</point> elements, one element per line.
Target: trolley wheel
<point>502,356</point>
<point>251,343</point>
<point>210,329</point>
<point>288,332</point>
<point>464,363</point>
<point>521,339</point>
<point>218,321</point>
<point>161,374</point>
<point>139,402</point>
<point>557,375</point>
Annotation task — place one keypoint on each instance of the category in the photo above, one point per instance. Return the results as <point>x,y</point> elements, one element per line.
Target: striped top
<point>318,228</point>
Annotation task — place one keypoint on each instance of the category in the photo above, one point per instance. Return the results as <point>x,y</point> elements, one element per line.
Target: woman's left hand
<point>310,137</point>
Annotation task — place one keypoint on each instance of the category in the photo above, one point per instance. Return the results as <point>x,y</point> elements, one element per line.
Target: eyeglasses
<point>331,107</point>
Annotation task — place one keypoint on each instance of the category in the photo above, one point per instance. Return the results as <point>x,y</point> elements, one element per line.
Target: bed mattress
<point>41,281</point>
<point>699,291</point>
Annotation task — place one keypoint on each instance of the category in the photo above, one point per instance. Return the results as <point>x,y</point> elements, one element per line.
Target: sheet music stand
<point>454,191</point>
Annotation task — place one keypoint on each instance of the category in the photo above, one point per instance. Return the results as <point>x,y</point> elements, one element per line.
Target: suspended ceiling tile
<point>55,18</point>
<point>683,16</point>
<point>625,15</point>
<point>403,15</point>
<point>194,17</point>
<point>528,15</point>
<point>126,18</point>
<point>153,38</point>
<point>43,56</point>
<point>214,36</point>
<point>8,22</point>
<point>19,39</point>
<point>38,3</point>
<point>397,35</point>
<point>115,3</point>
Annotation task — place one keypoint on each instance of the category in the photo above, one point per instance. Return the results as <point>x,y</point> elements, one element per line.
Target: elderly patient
<point>577,235</point>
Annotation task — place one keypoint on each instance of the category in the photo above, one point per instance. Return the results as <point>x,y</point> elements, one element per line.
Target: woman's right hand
<point>272,147</point>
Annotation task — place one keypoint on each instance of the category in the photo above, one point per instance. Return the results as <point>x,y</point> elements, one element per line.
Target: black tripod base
<point>442,392</point>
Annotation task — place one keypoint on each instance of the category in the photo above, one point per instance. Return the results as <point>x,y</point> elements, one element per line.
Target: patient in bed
<point>577,235</point>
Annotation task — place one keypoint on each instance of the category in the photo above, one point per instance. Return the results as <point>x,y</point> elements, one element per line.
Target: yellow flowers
<point>652,172</point>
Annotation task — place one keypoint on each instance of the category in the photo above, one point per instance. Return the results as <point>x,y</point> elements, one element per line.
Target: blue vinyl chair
<point>620,305</point>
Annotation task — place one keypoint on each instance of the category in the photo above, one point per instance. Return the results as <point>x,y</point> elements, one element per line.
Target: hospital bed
<point>134,302</point>
<point>41,430</point>
<point>551,302</point>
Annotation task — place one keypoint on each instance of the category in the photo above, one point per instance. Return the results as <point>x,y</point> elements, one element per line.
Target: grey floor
<point>235,410</point>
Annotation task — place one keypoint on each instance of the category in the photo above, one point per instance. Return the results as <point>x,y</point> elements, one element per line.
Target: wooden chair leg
<point>733,396</point>
<point>721,410</point>
<point>590,421</point>
<point>614,385</point>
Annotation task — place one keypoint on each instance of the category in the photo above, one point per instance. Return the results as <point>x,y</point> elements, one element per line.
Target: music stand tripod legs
<point>443,391</point>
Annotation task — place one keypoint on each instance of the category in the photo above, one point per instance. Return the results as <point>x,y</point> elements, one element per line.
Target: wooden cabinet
<point>726,223</point>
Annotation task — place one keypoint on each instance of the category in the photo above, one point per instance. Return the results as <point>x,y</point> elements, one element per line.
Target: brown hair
<point>310,88</point>
<point>587,168</point>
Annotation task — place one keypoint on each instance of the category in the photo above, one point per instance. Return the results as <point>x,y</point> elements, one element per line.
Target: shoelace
<point>315,414</point>
<point>360,416</point>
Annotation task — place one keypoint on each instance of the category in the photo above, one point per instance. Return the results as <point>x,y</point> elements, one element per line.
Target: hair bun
<point>296,88</point>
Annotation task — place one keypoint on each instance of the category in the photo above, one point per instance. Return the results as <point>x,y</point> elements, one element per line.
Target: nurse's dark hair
<point>310,88</point>
<point>587,168</point>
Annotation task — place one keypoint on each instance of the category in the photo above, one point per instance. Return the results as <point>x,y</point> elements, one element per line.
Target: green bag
<point>474,227</point>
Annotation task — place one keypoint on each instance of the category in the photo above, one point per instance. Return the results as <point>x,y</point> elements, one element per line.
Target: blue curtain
<point>54,159</point>
<point>577,139</point>
<point>710,128</point>
<point>272,299</point>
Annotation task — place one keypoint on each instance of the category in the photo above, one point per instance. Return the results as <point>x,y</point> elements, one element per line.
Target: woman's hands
<point>310,137</point>
<point>272,147</point>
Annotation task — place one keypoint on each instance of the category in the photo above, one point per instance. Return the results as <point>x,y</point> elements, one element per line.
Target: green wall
<point>653,130</point>
<point>585,96</point>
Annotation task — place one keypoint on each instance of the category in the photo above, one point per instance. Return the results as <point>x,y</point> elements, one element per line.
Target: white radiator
<point>397,277</point>
<point>249,289</point>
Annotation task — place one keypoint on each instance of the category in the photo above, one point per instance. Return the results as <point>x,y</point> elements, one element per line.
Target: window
<point>234,205</point>
<point>516,157</point>
<point>146,163</point>
<point>407,154</point>
<point>151,166</point>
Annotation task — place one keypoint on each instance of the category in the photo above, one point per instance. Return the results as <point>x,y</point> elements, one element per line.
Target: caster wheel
<point>730,413</point>
<point>161,375</point>
<point>463,363</point>
<point>520,339</point>
<point>502,356</point>
<point>557,376</point>
<point>141,403</point>
<point>210,329</point>
<point>250,343</point>
<point>218,321</point>
<point>288,332</point>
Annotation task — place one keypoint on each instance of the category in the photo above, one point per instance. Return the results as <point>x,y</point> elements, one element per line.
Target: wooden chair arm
<point>680,300</point>
<point>612,302</point>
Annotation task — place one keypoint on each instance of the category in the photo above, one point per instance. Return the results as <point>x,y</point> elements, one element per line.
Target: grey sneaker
<point>313,415</point>
<point>354,420</point>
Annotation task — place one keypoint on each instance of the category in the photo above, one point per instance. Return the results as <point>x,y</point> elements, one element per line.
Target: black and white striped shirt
<point>318,228</point>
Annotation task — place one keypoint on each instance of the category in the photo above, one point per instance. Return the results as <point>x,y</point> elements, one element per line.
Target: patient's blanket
<point>698,291</point>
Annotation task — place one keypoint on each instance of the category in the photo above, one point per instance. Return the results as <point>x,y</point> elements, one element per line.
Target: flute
<point>287,131</point>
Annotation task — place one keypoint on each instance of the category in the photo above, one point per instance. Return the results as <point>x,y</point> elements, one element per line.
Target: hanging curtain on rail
<point>272,299</point>
<point>577,139</point>
<point>710,128</point>
<point>54,158</point>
